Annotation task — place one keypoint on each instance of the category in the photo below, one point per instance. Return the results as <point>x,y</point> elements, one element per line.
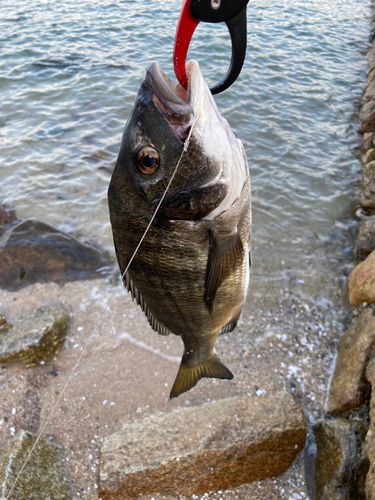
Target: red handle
<point>185,29</point>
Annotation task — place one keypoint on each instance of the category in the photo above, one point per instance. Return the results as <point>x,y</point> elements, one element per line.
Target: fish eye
<point>148,160</point>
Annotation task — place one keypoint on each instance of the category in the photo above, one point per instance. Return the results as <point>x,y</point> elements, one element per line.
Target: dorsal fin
<point>225,255</point>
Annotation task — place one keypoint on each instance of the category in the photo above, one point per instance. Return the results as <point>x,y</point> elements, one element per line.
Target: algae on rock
<point>34,337</point>
<point>43,477</point>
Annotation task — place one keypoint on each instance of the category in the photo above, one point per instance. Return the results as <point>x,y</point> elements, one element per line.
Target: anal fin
<point>229,327</point>
<point>188,376</point>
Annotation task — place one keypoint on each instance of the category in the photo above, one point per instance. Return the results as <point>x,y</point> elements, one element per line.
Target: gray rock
<point>32,251</point>
<point>349,387</point>
<point>215,446</point>
<point>370,438</point>
<point>34,337</point>
<point>43,477</point>
<point>365,241</point>
<point>340,464</point>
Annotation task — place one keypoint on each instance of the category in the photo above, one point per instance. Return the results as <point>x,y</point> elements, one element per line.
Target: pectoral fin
<point>188,376</point>
<point>225,255</point>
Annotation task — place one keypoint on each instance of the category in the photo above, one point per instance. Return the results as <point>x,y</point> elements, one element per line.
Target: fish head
<point>163,117</point>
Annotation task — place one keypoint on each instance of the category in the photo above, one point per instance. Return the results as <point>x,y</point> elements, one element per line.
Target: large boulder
<point>43,476</point>
<point>193,450</point>
<point>349,387</point>
<point>32,251</point>
<point>34,337</point>
<point>340,465</point>
<point>361,282</point>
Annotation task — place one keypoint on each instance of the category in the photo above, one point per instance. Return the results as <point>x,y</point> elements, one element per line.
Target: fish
<point>191,273</point>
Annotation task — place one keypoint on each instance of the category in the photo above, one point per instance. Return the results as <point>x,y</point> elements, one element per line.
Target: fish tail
<point>188,376</point>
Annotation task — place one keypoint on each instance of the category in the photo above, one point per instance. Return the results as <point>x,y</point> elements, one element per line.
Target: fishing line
<point>186,145</point>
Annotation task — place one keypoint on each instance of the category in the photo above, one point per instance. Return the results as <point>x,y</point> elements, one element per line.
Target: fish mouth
<point>175,102</point>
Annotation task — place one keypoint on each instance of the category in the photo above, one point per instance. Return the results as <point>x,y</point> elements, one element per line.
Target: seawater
<point>69,74</point>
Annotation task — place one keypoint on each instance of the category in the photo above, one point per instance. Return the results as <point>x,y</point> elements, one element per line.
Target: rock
<point>367,117</point>
<point>205,448</point>
<point>370,74</point>
<point>371,55</point>
<point>34,337</point>
<point>361,282</point>
<point>368,140</point>
<point>369,92</point>
<point>5,216</point>
<point>32,251</point>
<point>369,156</point>
<point>368,173</point>
<point>340,464</point>
<point>43,477</point>
<point>369,447</point>
<point>349,387</point>
<point>367,197</point>
<point>365,241</point>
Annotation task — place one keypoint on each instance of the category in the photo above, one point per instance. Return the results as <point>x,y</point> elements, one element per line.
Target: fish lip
<point>171,105</point>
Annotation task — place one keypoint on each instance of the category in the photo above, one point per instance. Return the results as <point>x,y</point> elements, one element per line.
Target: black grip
<point>216,11</point>
<point>238,34</point>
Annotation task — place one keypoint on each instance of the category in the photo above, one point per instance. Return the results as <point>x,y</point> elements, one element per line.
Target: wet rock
<point>370,74</point>
<point>205,448</point>
<point>369,447</point>
<point>43,476</point>
<point>367,197</point>
<point>361,282</point>
<point>367,117</point>
<point>34,337</point>
<point>32,251</point>
<point>368,173</point>
<point>340,464</point>
<point>369,93</point>
<point>5,216</point>
<point>365,242</point>
<point>368,140</point>
<point>349,387</point>
<point>369,156</point>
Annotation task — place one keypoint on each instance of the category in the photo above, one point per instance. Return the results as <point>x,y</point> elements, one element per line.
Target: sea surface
<point>69,74</point>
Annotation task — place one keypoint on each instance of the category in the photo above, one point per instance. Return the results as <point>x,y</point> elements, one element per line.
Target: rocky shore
<point>113,433</point>
<point>345,463</point>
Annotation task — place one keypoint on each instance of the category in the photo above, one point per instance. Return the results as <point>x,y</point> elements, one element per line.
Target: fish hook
<point>233,13</point>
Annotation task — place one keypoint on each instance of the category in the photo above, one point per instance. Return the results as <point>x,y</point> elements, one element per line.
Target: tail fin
<point>188,376</point>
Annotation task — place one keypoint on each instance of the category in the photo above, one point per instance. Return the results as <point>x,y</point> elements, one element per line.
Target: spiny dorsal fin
<point>188,376</point>
<point>225,255</point>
